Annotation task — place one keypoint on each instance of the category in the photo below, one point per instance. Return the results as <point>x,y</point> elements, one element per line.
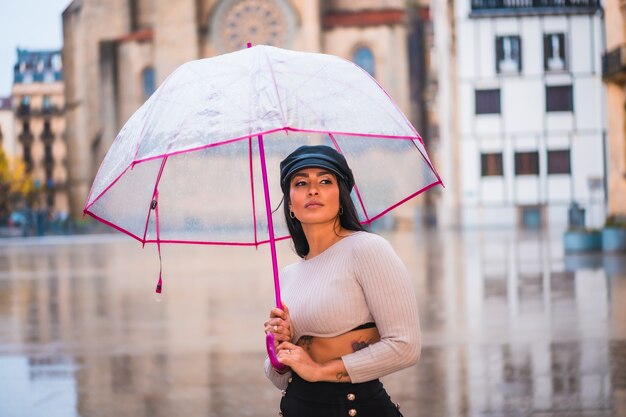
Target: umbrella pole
<point>269,338</point>
<point>270,223</point>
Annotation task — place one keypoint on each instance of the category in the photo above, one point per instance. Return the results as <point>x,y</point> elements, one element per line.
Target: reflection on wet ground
<point>511,327</point>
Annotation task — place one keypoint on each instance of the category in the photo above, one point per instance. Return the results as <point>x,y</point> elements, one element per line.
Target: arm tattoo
<point>306,342</point>
<point>356,345</point>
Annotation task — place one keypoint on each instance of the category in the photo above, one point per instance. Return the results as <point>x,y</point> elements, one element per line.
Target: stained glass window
<point>259,22</point>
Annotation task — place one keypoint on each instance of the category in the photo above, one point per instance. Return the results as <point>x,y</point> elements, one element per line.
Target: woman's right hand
<point>279,324</point>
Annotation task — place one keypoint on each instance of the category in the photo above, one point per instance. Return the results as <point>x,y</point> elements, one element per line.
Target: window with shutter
<point>491,164</point>
<point>527,163</point>
<point>554,52</point>
<point>559,162</point>
<point>487,101</point>
<point>559,98</point>
<point>508,54</point>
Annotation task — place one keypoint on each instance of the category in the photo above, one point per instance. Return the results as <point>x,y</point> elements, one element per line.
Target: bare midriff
<point>324,349</point>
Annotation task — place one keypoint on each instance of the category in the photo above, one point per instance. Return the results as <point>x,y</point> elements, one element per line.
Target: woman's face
<point>314,196</point>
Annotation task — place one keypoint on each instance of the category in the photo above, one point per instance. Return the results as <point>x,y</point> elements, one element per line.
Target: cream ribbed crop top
<point>357,280</point>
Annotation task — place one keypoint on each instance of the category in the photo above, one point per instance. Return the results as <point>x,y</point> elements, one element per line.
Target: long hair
<point>348,220</point>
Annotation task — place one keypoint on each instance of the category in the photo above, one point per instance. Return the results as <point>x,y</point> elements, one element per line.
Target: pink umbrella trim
<point>187,242</point>
<point>252,188</point>
<point>167,154</point>
<point>267,132</point>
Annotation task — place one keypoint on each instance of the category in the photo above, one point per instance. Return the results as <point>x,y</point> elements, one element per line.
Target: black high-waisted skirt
<point>330,399</point>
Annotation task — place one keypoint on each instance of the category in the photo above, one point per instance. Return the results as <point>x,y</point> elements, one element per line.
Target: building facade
<point>614,74</point>
<point>117,52</point>
<point>7,123</point>
<point>526,112</point>
<point>38,103</point>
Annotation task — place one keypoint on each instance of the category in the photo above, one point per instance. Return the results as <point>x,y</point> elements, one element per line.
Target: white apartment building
<point>527,111</point>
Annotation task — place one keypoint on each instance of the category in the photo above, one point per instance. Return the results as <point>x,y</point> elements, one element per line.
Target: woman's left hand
<point>279,324</point>
<point>297,359</point>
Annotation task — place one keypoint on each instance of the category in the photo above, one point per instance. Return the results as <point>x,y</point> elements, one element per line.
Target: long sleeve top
<point>357,280</point>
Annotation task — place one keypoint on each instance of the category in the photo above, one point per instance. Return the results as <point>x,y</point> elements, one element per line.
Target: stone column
<point>175,36</point>
<point>85,24</point>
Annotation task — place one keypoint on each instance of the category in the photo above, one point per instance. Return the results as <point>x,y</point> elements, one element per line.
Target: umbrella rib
<point>219,243</point>
<point>351,87</point>
<point>348,87</point>
<point>430,165</point>
<point>356,188</point>
<point>167,100</point>
<point>404,200</point>
<point>252,190</point>
<point>393,102</point>
<point>280,104</point>
<point>311,76</point>
<point>155,193</point>
<point>224,88</point>
<point>148,112</point>
<point>113,225</point>
<point>88,206</point>
<point>267,132</point>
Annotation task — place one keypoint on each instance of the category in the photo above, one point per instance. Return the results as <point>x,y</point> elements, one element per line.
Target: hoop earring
<point>341,211</point>
<point>292,214</point>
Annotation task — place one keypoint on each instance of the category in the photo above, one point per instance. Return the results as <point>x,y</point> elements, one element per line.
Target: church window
<point>149,82</point>
<point>364,58</point>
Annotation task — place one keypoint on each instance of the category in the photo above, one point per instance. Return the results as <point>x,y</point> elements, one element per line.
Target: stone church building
<point>117,52</point>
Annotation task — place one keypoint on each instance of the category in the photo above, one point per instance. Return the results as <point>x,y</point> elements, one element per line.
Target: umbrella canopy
<point>194,146</point>
<point>197,153</point>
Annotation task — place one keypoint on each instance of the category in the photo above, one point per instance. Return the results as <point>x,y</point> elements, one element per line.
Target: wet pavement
<point>511,327</point>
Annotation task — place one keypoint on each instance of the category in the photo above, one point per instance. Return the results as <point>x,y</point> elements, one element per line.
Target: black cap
<point>318,156</point>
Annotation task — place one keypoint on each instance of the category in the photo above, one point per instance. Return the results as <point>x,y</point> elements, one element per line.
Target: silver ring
<point>288,350</point>
<point>275,328</point>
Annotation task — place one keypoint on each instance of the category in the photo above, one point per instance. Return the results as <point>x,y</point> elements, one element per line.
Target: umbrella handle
<point>271,352</point>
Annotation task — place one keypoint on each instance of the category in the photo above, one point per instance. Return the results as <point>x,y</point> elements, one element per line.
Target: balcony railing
<point>24,111</point>
<point>26,138</point>
<point>482,8</point>
<point>614,65</point>
<point>47,137</point>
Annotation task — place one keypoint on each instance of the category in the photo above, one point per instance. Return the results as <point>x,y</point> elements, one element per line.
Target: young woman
<point>349,314</point>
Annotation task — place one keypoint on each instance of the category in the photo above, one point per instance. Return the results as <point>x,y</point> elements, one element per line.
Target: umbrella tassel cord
<point>159,286</point>
<point>160,282</point>
<point>154,205</point>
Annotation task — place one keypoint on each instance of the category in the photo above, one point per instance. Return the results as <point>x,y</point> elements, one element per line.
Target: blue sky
<point>28,24</point>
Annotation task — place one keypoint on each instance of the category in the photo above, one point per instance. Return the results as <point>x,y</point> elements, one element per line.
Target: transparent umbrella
<point>197,163</point>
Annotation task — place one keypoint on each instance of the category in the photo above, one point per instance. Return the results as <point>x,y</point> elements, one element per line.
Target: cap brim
<point>311,163</point>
